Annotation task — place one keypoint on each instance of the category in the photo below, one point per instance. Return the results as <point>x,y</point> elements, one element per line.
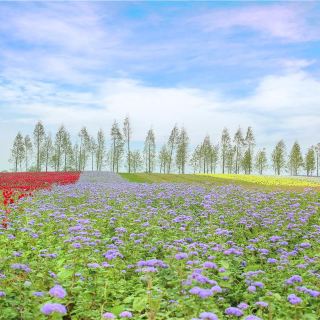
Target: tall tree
<point>116,150</point>
<point>163,159</point>
<point>230,155</point>
<point>47,151</point>
<point>295,159</point>
<point>150,151</point>
<point>101,150</point>
<point>261,162</point>
<point>67,150</point>
<point>278,157</point>
<point>246,161</point>
<point>172,144</point>
<point>28,150</point>
<point>225,145</point>
<point>195,160</point>
<point>214,152</point>
<point>249,142</point>
<point>205,153</point>
<point>38,136</point>
<point>84,148</point>
<point>18,151</point>
<point>310,161</point>
<point>58,144</point>
<point>137,161</point>
<point>239,143</point>
<point>182,150</point>
<point>127,131</point>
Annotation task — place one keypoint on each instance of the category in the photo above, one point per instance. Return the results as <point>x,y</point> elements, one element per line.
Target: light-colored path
<point>100,177</point>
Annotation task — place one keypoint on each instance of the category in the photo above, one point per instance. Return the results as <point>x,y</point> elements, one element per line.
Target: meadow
<point>162,247</point>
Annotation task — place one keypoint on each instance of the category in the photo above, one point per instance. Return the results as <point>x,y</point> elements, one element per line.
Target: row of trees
<point>58,153</point>
<point>234,154</point>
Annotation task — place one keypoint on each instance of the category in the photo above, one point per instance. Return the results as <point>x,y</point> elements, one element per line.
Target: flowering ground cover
<point>161,251</point>
<point>279,181</point>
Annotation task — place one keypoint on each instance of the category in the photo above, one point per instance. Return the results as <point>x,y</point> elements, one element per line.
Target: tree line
<point>232,154</point>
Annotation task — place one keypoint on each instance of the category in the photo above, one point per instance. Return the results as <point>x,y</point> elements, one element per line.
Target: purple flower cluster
<point>58,292</point>
<point>20,266</point>
<point>50,308</point>
<point>293,299</point>
<point>233,311</point>
<point>294,279</point>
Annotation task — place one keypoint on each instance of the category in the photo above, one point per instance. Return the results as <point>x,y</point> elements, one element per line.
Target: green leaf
<point>225,264</point>
<point>65,274</point>
<point>118,309</point>
<point>309,316</point>
<point>128,299</point>
<point>139,303</point>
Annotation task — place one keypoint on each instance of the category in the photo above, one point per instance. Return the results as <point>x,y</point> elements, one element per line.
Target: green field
<point>215,180</point>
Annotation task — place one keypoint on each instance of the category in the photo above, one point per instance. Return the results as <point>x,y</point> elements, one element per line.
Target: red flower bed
<point>29,181</point>
<point>15,186</point>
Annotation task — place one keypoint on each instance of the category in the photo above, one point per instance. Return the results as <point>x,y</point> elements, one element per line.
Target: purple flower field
<point>161,251</point>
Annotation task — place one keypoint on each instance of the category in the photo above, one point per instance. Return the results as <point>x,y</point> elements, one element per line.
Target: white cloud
<point>288,22</point>
<point>283,106</point>
<point>286,95</point>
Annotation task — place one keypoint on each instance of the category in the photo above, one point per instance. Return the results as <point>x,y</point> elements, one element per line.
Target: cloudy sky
<point>204,65</point>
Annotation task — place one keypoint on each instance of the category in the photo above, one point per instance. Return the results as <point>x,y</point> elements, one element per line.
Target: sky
<point>202,65</point>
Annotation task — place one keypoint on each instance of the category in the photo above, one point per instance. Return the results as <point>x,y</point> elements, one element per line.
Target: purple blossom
<point>50,308</point>
<point>252,317</point>
<point>232,251</point>
<point>152,263</point>
<point>202,293</point>
<point>108,315</point>
<point>208,316</point>
<point>243,306</point>
<point>262,304</point>
<point>58,292</point>
<point>232,311</point>
<point>272,260</point>
<point>258,284</point>
<point>2,294</point>
<point>52,274</point>
<point>252,289</point>
<point>294,279</point>
<point>293,299</point>
<point>20,266</point>
<point>126,314</point>
<point>112,254</point>
<point>210,265</point>
<point>310,292</point>
<point>216,288</point>
<point>181,256</point>
<point>93,265</point>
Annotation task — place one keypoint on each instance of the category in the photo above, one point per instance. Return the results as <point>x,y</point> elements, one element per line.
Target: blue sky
<point>204,65</point>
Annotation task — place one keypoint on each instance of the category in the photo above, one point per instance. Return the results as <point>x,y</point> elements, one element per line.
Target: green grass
<point>201,179</point>
<point>170,178</point>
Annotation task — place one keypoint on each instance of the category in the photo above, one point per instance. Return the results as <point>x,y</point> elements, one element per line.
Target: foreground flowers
<point>168,251</point>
